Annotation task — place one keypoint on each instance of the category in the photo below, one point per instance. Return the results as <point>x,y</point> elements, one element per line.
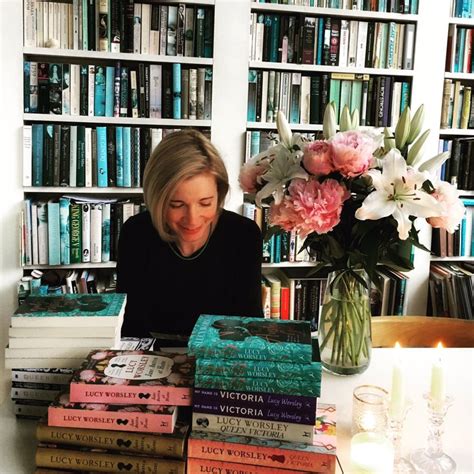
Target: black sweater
<point>167,294</point>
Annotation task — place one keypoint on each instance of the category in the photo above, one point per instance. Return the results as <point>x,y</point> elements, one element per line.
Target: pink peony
<point>115,381</point>
<point>311,206</point>
<point>317,158</point>
<point>250,174</point>
<point>352,153</point>
<point>100,355</point>
<point>88,375</point>
<point>452,207</point>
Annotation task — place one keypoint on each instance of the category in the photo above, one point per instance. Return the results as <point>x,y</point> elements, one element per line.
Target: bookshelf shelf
<point>71,266</point>
<point>115,120</point>
<point>461,21</point>
<point>83,190</point>
<point>289,265</point>
<point>452,259</point>
<point>331,69</point>
<point>462,76</point>
<point>467,132</point>
<point>294,126</point>
<point>107,56</point>
<point>334,12</point>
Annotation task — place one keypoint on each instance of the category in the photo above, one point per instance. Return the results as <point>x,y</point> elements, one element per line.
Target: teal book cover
<point>127,157</point>
<point>109,91</point>
<point>263,368</point>
<point>119,155</point>
<point>37,165</point>
<point>284,386</point>
<point>177,91</point>
<point>54,247</point>
<point>65,237</point>
<point>71,305</point>
<point>102,175</point>
<point>232,337</point>
<point>99,92</point>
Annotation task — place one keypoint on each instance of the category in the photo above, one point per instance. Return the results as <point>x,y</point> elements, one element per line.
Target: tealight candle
<point>371,453</point>
<point>397,394</point>
<point>438,383</point>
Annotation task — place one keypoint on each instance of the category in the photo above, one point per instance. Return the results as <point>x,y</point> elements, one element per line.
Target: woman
<point>186,255</point>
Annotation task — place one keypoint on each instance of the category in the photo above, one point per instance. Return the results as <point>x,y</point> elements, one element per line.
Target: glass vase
<point>344,330</point>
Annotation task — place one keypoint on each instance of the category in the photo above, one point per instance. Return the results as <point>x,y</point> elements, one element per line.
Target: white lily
<point>284,130</point>
<point>284,167</point>
<point>398,193</point>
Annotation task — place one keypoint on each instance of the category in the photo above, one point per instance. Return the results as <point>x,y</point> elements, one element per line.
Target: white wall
<point>10,152</point>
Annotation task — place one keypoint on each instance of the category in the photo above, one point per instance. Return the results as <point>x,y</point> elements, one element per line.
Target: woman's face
<point>192,210</point>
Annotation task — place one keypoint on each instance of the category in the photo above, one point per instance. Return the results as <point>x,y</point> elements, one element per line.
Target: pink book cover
<point>318,457</point>
<point>134,377</point>
<point>205,465</point>
<point>145,418</point>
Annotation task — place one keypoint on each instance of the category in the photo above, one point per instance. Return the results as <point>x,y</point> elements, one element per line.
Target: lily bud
<point>345,121</point>
<point>284,130</point>
<point>402,129</point>
<point>329,122</point>
<point>414,153</point>
<point>355,119</point>
<point>416,124</point>
<point>388,140</point>
<point>434,163</point>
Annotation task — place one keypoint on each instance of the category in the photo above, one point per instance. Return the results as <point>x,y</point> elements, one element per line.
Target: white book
<point>171,30</point>
<point>48,24</point>
<point>27,155</point>
<point>57,23</point>
<point>50,342</point>
<point>64,25</point>
<point>163,28</point>
<point>96,233</point>
<point>127,211</point>
<point>156,137</point>
<point>344,43</point>
<point>39,24</point>
<point>192,94</point>
<point>34,233</point>
<point>55,333</point>
<point>285,93</point>
<point>70,39</point>
<point>73,156</point>
<point>75,88</point>
<point>88,157</point>
<point>145,28</point>
<point>75,23</point>
<point>253,36</point>
<point>86,232</point>
<point>401,41</point>
<point>66,91</point>
<point>396,98</point>
<point>29,23</point>
<point>43,363</point>
<point>43,252</point>
<point>260,29</point>
<point>90,91</point>
<point>353,43</point>
<point>155,90</point>
<point>265,83</point>
<point>248,210</point>
<point>408,45</point>
<point>137,28</point>
<point>304,99</point>
<point>154,42</point>
<point>457,104</point>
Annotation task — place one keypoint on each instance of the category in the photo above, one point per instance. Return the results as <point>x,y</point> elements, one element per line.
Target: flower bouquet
<point>354,197</point>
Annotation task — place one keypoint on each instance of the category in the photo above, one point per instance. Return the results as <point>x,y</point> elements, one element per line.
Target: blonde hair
<point>179,156</point>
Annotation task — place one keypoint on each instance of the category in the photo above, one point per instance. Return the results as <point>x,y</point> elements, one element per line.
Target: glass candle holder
<point>369,409</point>
<point>371,453</point>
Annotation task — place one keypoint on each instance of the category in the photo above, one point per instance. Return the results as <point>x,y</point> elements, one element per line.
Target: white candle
<point>438,383</point>
<point>371,453</point>
<point>397,394</point>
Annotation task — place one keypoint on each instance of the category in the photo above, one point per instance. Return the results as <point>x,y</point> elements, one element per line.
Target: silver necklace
<point>198,254</point>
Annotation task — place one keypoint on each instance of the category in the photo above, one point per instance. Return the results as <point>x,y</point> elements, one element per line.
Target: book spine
<point>252,427</point>
<point>177,91</point>
<point>108,420</point>
<point>17,393</point>
<point>96,232</point>
<point>139,395</point>
<point>106,235</point>
<point>102,177</point>
<point>27,155</point>
<point>54,248</point>
<point>64,204</point>
<point>127,157</point>
<point>86,232</point>
<point>260,384</point>
<point>105,462</point>
<point>119,155</point>
<point>139,443</point>
<point>206,465</point>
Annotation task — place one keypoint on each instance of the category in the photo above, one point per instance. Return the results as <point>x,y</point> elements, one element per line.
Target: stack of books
<point>134,397</point>
<point>256,385</point>
<point>50,336</point>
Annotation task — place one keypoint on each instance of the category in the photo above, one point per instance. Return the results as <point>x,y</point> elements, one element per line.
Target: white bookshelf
<point>88,265</point>
<point>82,190</point>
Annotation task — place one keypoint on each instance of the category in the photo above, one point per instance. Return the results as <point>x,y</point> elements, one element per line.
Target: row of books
<point>242,380</point>
<point>458,168</point>
<point>451,286</point>
<point>387,6</point>
<point>143,90</point>
<point>462,8</point>
<point>72,230</point>
<point>331,41</point>
<point>457,110</point>
<point>303,97</point>
<point>120,26</point>
<point>461,242</point>
<point>459,50</point>
<point>81,156</point>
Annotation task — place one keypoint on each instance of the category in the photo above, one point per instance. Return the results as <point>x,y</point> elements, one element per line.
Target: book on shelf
<point>111,376</point>
<point>251,338</point>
